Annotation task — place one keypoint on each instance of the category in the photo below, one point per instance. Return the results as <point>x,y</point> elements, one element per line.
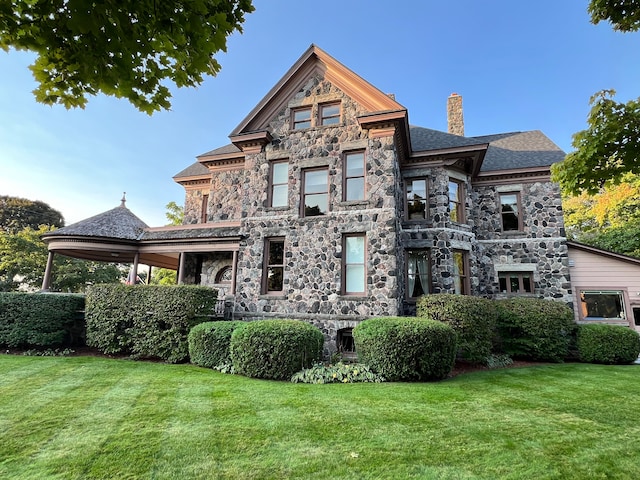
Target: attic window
<point>301,118</point>
<point>329,114</point>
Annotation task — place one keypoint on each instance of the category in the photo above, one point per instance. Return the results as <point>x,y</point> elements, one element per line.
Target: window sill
<point>272,296</point>
<point>358,298</point>
<point>276,209</point>
<point>349,203</point>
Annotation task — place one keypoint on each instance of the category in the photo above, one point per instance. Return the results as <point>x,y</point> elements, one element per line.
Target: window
<point>224,275</point>
<point>516,282</point>
<point>273,269</point>
<point>315,192</point>
<point>345,343</point>
<point>279,184</point>
<point>354,271</point>
<point>354,168</point>
<point>601,304</point>
<point>418,276</point>
<point>636,316</point>
<point>416,198</point>
<point>203,208</point>
<point>460,275</point>
<point>329,114</point>
<point>510,211</point>
<point>456,201</point>
<point>301,118</point>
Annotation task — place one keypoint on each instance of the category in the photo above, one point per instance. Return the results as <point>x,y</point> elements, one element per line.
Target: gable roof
<point>314,60</point>
<point>602,252</point>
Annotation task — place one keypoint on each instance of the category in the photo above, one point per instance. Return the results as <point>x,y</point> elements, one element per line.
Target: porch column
<point>136,258</point>
<point>234,269</point>
<point>46,281</point>
<point>181,268</point>
<point>149,275</point>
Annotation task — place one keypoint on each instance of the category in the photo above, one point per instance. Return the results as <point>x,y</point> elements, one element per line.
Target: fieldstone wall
<point>313,245</point>
<point>193,206</point>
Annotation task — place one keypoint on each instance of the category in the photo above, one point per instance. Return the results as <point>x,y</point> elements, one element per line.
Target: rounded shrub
<point>406,349</point>
<point>275,349</point>
<point>472,318</point>
<point>608,344</point>
<point>210,342</point>
<point>535,329</point>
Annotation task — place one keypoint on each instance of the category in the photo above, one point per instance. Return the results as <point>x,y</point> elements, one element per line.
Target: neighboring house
<point>606,286</point>
<point>329,206</point>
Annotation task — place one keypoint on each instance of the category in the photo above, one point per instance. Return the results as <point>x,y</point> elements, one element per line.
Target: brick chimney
<point>455,120</point>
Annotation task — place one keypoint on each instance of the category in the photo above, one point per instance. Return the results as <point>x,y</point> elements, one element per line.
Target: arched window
<point>224,275</point>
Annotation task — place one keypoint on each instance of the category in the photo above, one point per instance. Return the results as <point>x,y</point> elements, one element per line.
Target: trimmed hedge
<point>608,344</point>
<point>146,320</point>
<point>41,320</point>
<point>210,343</point>
<point>275,349</point>
<point>472,318</point>
<point>406,349</point>
<point>535,329</point>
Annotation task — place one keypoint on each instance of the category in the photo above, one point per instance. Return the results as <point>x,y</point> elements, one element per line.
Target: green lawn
<point>86,417</point>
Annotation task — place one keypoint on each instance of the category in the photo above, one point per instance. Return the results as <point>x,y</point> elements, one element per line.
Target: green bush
<point>409,349</point>
<point>275,349</point>
<point>146,320</point>
<point>41,320</point>
<point>472,318</point>
<point>337,373</point>
<point>608,344</point>
<point>535,329</point>
<point>210,343</point>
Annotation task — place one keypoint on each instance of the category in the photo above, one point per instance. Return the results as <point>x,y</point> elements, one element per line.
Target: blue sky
<point>518,65</point>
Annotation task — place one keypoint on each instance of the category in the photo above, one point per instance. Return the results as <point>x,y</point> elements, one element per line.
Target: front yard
<point>89,417</point>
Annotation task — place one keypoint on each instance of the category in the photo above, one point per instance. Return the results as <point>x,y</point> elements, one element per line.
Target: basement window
<point>345,343</point>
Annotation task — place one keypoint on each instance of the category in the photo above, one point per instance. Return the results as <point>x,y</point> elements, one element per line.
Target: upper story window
<point>315,193</point>
<point>204,208</point>
<point>301,118</point>
<point>456,200</point>
<point>329,113</point>
<point>354,274</point>
<point>416,199</point>
<point>418,273</point>
<point>354,174</point>
<point>273,266</point>
<point>515,282</point>
<point>460,272</point>
<point>510,212</point>
<point>279,184</point>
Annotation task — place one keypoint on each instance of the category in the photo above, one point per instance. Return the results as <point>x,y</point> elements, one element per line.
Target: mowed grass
<point>87,417</point>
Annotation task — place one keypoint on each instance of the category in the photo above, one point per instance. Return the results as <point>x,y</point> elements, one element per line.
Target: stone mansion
<point>329,206</point>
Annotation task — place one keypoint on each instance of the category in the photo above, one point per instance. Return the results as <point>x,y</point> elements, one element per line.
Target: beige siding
<point>594,271</point>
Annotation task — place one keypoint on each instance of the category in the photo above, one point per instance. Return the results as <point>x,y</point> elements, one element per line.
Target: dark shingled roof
<point>192,170</point>
<point>506,150</point>
<point>520,150</point>
<point>188,233</point>
<point>119,223</point>
<point>230,148</point>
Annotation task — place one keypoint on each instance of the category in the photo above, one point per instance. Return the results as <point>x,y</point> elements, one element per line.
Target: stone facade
<point>313,274</point>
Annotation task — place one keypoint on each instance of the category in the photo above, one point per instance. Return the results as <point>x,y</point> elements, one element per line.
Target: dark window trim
<point>266,265</point>
<point>303,194</point>
<point>321,117</point>
<point>406,272</point>
<point>204,208</point>
<point>272,184</point>
<point>343,273</point>
<point>221,273</point>
<point>518,206</point>
<point>345,177</point>
<point>459,201</point>
<point>520,276</point>
<point>466,281</point>
<point>294,124</point>
<point>406,200</point>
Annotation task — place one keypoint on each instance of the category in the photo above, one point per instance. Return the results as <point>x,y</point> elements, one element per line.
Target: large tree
<point>23,258</point>
<point>610,146</point>
<point>18,213</point>
<point>125,48</point>
<point>609,219</point>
